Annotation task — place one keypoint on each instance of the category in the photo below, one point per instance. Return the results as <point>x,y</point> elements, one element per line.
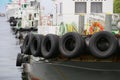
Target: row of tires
<point>101,45</point>
<point>21,58</point>
<point>12,21</point>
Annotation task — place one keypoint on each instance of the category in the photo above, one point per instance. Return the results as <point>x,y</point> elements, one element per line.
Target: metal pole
<point>108,22</point>
<point>81,24</point>
<point>56,13</point>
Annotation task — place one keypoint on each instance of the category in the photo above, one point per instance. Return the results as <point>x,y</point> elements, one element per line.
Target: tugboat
<point>24,17</point>
<point>70,39</point>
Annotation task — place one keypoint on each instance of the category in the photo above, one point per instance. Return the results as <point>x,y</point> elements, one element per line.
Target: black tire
<point>118,45</point>
<point>71,44</point>
<point>11,23</point>
<point>19,59</point>
<point>11,19</point>
<point>21,48</point>
<point>26,44</point>
<point>103,44</point>
<point>15,23</point>
<point>26,59</point>
<point>20,37</point>
<point>50,46</point>
<point>35,46</point>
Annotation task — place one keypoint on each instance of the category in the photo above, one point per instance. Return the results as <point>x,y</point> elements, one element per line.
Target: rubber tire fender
<point>26,44</point>
<point>66,41</point>
<point>112,44</point>
<point>50,46</point>
<point>118,45</point>
<point>19,59</point>
<point>35,46</point>
<point>26,59</point>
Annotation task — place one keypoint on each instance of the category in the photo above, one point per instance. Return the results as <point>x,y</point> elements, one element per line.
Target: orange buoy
<point>95,25</point>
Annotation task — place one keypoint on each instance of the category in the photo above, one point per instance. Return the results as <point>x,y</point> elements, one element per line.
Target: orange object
<point>96,25</point>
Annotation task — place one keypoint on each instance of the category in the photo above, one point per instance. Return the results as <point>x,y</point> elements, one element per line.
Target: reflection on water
<point>8,53</point>
<point>24,75</point>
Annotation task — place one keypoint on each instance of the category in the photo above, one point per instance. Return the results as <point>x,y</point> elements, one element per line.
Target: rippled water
<point>8,53</point>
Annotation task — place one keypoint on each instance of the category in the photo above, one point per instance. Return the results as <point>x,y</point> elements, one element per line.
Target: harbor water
<point>9,49</point>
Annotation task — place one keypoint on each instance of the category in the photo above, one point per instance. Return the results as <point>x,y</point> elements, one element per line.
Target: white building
<point>76,7</point>
<point>72,11</point>
<point>87,6</point>
<point>30,12</point>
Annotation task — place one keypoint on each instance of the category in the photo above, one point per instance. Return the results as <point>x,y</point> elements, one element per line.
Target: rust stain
<point>34,78</point>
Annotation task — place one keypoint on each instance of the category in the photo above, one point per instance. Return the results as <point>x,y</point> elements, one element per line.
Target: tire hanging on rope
<point>71,45</point>
<point>103,44</point>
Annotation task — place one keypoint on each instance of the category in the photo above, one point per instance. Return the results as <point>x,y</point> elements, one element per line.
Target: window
<point>32,3</point>
<point>24,5</point>
<point>35,14</point>
<point>30,16</point>
<point>96,7</point>
<point>61,8</point>
<point>80,7</point>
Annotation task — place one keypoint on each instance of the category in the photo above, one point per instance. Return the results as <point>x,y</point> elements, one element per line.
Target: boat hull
<point>72,70</point>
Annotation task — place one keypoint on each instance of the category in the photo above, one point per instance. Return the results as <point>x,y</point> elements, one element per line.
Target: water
<point>8,53</point>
